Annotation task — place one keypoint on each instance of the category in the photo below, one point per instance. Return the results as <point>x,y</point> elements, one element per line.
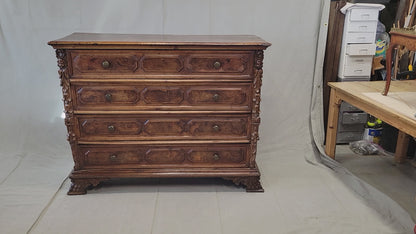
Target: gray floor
<point>398,181</point>
<point>299,198</point>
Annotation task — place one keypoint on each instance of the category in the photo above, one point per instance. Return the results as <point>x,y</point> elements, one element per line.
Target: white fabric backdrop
<point>30,95</point>
<point>33,147</point>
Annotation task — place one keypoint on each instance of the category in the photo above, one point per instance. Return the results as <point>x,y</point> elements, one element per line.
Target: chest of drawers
<point>358,41</point>
<point>161,106</point>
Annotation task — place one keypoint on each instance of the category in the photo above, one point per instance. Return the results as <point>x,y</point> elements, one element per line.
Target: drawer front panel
<point>347,137</point>
<point>351,127</point>
<point>361,37</point>
<point>217,63</point>
<point>346,107</point>
<point>364,14</point>
<point>362,26</point>
<point>360,70</point>
<point>86,62</point>
<point>163,128</point>
<point>168,97</point>
<point>358,60</point>
<point>354,118</point>
<point>137,63</point>
<point>229,95</point>
<point>228,155</point>
<point>105,95</point>
<point>361,49</point>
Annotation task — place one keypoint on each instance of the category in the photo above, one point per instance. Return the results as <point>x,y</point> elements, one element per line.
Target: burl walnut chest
<point>161,106</point>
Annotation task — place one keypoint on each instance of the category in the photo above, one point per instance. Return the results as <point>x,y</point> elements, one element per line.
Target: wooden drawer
<point>153,156</point>
<point>137,63</point>
<point>168,127</point>
<point>127,97</point>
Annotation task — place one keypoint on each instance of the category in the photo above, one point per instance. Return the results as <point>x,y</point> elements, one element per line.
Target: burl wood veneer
<point>161,106</point>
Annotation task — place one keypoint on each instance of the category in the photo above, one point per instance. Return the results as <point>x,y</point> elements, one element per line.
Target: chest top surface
<point>104,39</point>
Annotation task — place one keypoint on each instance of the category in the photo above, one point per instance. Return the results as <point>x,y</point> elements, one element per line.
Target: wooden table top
<point>398,108</point>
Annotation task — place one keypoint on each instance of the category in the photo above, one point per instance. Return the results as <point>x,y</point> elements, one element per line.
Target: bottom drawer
<point>157,156</point>
<point>347,137</point>
<point>354,118</point>
<point>359,70</point>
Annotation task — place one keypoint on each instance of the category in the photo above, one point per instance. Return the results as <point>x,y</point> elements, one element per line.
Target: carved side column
<point>64,76</point>
<point>255,112</point>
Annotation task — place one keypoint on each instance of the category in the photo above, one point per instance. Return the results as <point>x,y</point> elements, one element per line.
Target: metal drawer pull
<point>108,97</point>
<point>105,64</point>
<point>216,128</point>
<point>113,157</point>
<point>216,97</point>
<point>217,65</point>
<point>111,128</point>
<point>216,156</point>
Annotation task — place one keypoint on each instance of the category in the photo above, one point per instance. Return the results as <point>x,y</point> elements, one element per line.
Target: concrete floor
<point>299,198</point>
<point>398,181</point>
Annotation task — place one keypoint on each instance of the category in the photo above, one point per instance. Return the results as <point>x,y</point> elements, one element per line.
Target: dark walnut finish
<point>161,106</point>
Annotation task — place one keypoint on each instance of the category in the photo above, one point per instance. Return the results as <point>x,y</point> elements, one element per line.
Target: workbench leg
<point>332,127</point>
<point>401,147</point>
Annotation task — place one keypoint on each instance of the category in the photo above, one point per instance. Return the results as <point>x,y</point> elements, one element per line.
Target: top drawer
<point>152,63</point>
<point>364,14</point>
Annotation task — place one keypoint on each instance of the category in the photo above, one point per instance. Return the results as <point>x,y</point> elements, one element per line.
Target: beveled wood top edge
<point>97,39</point>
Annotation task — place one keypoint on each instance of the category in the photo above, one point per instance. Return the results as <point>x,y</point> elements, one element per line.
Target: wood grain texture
<point>163,127</point>
<point>161,106</point>
<point>332,51</point>
<point>139,63</point>
<point>407,40</point>
<point>401,147</point>
<point>159,39</point>
<point>368,97</point>
<point>167,96</point>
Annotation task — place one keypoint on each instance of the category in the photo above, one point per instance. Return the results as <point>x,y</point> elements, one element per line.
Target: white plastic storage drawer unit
<point>358,41</point>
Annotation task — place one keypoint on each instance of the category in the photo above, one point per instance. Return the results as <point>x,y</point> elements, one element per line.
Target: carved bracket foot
<point>252,183</point>
<point>80,186</point>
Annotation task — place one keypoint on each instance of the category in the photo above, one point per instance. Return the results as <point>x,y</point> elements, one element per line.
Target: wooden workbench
<point>398,108</point>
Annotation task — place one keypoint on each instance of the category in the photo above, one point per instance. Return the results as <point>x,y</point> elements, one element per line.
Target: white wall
<point>30,95</point>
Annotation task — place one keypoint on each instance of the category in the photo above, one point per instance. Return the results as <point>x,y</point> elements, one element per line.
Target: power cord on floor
<point>17,165</point>
<point>42,213</point>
